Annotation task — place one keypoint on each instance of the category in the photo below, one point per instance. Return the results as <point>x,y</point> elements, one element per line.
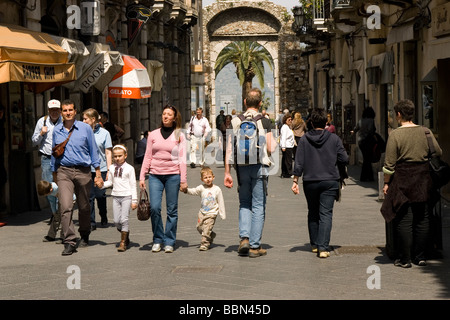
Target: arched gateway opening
<point>260,21</point>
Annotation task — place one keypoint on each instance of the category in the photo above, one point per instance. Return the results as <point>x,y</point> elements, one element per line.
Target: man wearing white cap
<point>42,137</point>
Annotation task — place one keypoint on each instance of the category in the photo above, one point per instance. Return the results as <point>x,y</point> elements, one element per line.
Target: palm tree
<point>248,58</point>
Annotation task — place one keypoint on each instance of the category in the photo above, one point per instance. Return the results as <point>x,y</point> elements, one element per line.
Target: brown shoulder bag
<point>58,150</point>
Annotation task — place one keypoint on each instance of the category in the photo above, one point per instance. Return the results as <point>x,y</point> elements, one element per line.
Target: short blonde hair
<point>206,170</point>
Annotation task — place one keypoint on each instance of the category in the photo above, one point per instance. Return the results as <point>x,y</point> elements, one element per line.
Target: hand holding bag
<point>143,209</point>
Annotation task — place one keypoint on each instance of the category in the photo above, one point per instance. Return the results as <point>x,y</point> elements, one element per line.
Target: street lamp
<point>299,16</point>
<point>302,21</point>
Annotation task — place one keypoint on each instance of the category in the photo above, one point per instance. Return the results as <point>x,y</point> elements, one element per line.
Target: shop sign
<point>441,20</point>
<point>34,72</point>
<point>93,75</point>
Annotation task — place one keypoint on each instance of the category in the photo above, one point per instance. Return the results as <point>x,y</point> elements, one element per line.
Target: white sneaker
<point>156,247</point>
<point>168,249</point>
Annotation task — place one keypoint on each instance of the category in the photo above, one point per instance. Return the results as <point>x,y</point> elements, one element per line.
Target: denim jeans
<point>412,224</point>
<point>252,202</point>
<point>47,175</point>
<point>156,185</point>
<point>100,195</point>
<point>320,196</point>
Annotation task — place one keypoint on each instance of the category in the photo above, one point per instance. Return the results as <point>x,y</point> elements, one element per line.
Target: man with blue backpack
<point>249,147</point>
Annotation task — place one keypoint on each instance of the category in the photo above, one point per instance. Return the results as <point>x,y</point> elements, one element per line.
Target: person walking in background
<point>220,119</point>
<point>165,161</point>
<point>199,130</point>
<point>104,144</point>
<point>211,204</point>
<point>42,137</point>
<point>287,143</point>
<point>299,128</point>
<point>140,148</point>
<point>318,153</point>
<point>408,186</point>
<point>72,174</point>
<point>114,130</point>
<point>330,127</point>
<point>223,129</point>
<point>122,179</point>
<point>366,130</point>
<point>252,178</point>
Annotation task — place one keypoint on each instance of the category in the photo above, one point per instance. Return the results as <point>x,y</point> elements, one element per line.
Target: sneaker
<point>422,263</point>
<point>314,249</point>
<point>156,247</point>
<point>399,263</point>
<point>244,247</point>
<point>324,254</point>
<point>258,252</point>
<point>168,249</point>
<point>203,248</point>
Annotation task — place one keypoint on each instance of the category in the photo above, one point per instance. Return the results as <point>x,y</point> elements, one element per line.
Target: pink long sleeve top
<point>165,156</point>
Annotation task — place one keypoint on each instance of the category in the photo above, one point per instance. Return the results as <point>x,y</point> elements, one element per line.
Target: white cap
<point>54,104</point>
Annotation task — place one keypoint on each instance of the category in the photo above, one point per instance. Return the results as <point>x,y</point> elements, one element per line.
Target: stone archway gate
<point>262,21</point>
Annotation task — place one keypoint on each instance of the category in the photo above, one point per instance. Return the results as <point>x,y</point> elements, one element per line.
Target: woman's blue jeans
<point>171,185</point>
<point>320,196</point>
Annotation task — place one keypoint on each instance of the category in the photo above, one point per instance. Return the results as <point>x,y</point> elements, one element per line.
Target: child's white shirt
<point>211,199</point>
<point>122,186</point>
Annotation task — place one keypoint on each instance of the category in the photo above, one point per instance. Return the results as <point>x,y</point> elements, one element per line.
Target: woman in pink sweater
<point>165,162</point>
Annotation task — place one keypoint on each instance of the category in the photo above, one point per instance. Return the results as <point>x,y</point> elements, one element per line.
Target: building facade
<point>375,53</point>
<point>100,42</point>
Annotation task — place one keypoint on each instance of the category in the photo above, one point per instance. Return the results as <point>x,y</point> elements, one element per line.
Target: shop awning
<point>101,67</point>
<point>358,66</point>
<point>155,73</point>
<point>34,58</point>
<point>400,34</point>
<point>380,68</point>
<point>78,54</point>
<point>132,82</point>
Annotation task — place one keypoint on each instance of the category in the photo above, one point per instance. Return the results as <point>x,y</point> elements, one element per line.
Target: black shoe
<point>93,227</point>
<point>192,165</point>
<point>84,242</point>
<point>399,263</point>
<point>68,249</point>
<point>104,222</point>
<point>48,239</point>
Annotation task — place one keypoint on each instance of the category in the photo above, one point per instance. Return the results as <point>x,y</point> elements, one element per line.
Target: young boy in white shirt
<point>211,204</point>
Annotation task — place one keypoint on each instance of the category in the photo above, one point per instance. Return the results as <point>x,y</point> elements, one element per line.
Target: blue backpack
<point>247,147</point>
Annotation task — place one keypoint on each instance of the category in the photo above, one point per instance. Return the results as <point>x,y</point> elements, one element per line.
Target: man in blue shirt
<point>72,173</point>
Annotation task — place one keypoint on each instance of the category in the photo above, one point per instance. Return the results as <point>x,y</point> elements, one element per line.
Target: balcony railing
<point>340,4</point>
